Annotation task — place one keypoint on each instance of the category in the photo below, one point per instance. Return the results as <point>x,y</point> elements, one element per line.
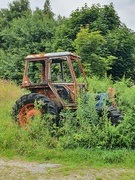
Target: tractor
<point>51,79</point>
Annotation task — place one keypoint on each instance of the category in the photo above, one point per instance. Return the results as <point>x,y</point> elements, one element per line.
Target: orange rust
<point>112,95</point>
<point>26,114</point>
<point>46,86</point>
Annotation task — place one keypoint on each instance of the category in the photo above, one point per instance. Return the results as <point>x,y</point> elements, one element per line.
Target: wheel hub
<point>27,114</point>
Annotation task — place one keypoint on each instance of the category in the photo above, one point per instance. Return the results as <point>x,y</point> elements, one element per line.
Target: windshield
<point>60,72</point>
<point>35,70</point>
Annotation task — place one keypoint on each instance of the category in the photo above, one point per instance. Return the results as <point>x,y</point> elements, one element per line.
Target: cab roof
<point>52,55</point>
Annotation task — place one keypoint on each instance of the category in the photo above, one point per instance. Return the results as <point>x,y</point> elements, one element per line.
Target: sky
<point>124,8</point>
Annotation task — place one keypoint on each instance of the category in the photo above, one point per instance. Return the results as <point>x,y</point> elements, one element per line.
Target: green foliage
<point>18,8</point>
<point>95,33</point>
<point>91,47</point>
<point>47,9</point>
<point>62,39</point>
<point>18,41</point>
<point>120,44</point>
<point>114,156</point>
<point>98,18</point>
<point>98,85</point>
<point>108,19</point>
<point>102,41</point>
<point>87,130</point>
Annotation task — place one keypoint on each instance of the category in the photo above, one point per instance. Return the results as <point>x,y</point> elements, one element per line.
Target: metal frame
<point>47,87</point>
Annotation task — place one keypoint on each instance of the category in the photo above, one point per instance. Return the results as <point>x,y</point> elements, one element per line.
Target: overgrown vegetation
<point>81,137</point>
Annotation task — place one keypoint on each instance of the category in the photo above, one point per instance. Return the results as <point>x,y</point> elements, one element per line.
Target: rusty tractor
<point>51,80</point>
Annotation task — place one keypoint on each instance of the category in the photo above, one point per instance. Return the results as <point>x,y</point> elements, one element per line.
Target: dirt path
<point>20,170</point>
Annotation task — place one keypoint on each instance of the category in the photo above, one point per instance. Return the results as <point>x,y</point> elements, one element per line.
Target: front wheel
<point>24,109</point>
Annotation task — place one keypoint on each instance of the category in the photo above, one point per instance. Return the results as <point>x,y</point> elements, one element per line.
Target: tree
<point>82,17</point>
<point>47,9</point>
<point>91,47</point>
<point>107,20</point>
<point>16,9</point>
<point>61,40</point>
<point>97,18</point>
<point>33,35</point>
<point>120,43</point>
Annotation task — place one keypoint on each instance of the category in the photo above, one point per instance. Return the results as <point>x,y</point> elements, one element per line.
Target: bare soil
<point>20,170</point>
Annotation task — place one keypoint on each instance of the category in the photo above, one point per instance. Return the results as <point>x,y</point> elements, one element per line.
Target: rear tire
<point>24,108</point>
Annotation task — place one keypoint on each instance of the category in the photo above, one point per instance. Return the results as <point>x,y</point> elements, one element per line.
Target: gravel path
<point>28,166</point>
<point>20,170</point>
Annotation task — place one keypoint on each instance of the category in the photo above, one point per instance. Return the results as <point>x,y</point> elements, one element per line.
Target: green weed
<point>81,138</point>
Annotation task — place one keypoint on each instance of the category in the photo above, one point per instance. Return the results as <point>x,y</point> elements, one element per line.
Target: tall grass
<point>8,93</point>
<point>80,136</point>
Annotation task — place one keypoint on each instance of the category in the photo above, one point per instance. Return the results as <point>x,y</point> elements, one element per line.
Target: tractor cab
<point>54,75</point>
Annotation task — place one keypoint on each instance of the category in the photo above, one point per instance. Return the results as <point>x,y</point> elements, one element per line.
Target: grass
<point>93,158</point>
<point>9,92</point>
<point>35,144</point>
